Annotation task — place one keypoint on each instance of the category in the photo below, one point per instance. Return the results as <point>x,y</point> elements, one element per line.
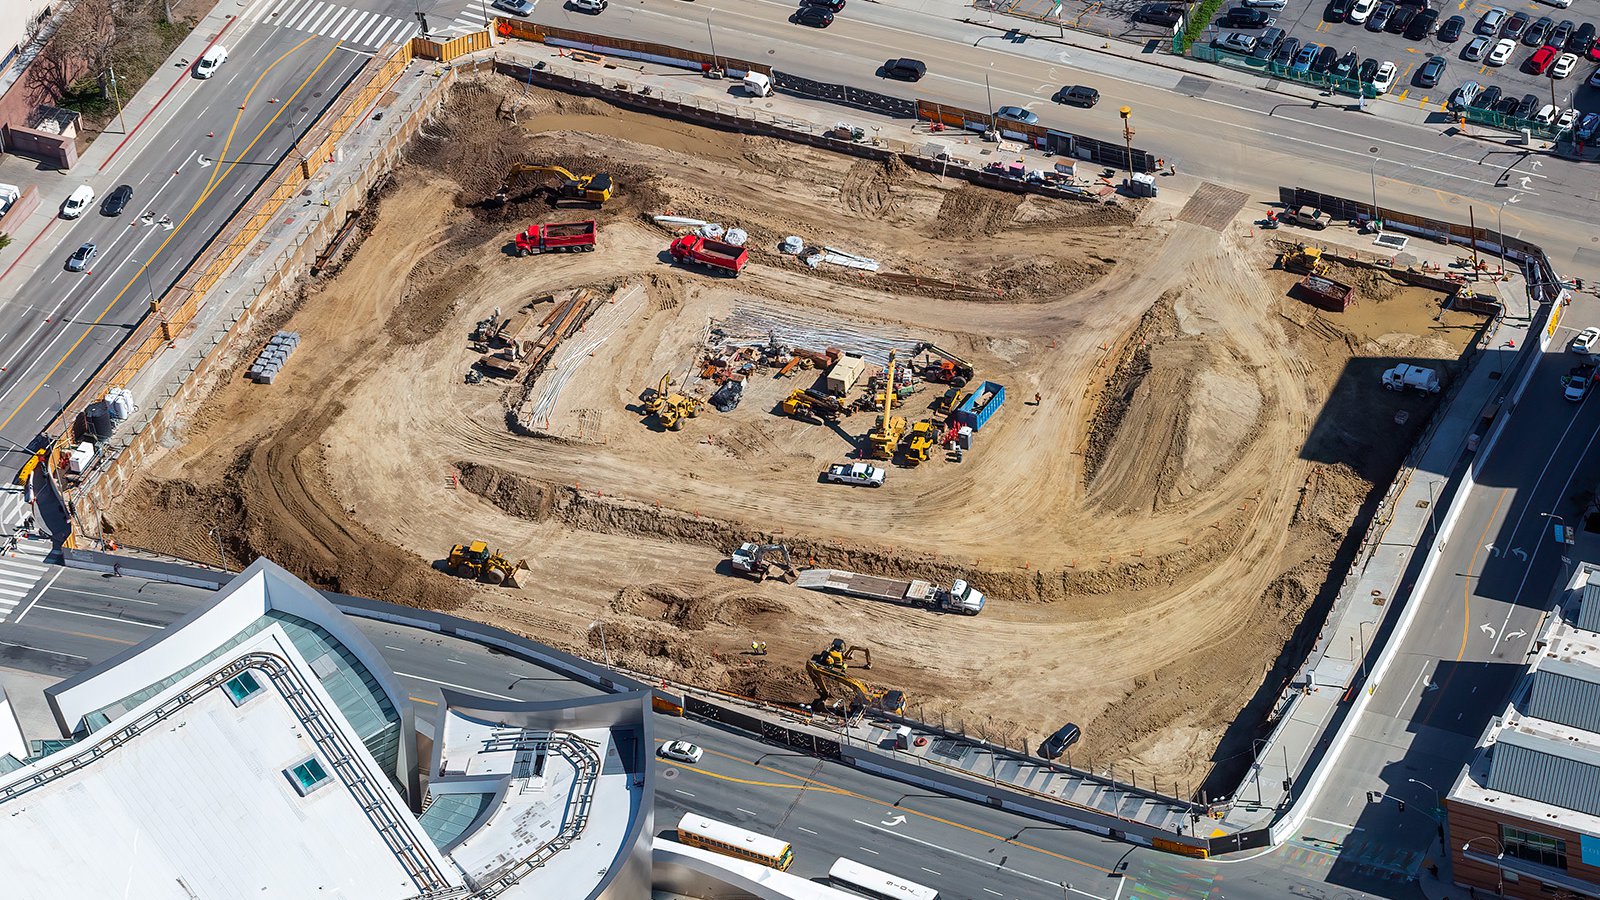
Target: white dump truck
<point>961,597</point>
<point>1416,377</point>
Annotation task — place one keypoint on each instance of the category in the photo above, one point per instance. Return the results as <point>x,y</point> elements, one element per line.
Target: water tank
<point>99,415</point>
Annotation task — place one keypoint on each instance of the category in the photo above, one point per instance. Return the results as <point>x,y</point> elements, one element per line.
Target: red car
<point>1540,61</point>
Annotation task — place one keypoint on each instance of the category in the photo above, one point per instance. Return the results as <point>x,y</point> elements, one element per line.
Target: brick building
<point>1524,815</point>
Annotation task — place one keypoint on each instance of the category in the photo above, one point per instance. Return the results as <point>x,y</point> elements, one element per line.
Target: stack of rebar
<point>755,325</point>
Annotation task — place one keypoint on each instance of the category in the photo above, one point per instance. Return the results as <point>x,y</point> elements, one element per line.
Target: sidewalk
<point>101,165</point>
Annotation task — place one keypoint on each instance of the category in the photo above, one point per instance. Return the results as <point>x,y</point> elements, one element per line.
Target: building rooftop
<point>1540,759</point>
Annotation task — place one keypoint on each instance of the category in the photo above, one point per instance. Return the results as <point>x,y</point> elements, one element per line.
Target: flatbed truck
<point>961,597</point>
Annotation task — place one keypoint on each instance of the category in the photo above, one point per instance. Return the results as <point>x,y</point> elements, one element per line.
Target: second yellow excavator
<point>670,407</point>
<point>595,189</point>
<point>830,669</point>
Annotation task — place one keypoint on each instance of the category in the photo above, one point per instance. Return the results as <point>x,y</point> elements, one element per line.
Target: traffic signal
<point>1402,805</point>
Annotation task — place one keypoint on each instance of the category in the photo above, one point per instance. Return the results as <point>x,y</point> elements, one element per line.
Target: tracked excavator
<point>885,436</point>
<point>829,673</point>
<point>670,407</point>
<point>595,189</point>
<point>763,561</point>
<point>477,562</point>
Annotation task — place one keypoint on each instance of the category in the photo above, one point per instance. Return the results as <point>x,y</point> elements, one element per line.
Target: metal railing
<point>1354,87</point>
<point>586,764</point>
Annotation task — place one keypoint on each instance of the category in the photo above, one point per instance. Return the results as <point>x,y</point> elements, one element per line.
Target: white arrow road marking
<point>202,160</point>
<point>1493,551</point>
<point>894,820</point>
<point>1519,553</point>
<point>1486,628</point>
<point>1513,198</point>
<point>1526,183</point>
<point>1538,164</point>
<point>1516,634</point>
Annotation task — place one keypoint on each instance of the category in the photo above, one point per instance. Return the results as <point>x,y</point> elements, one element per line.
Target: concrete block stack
<point>269,362</point>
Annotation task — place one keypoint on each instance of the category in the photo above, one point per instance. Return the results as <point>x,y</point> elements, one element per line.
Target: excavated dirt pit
<point>1150,533</point>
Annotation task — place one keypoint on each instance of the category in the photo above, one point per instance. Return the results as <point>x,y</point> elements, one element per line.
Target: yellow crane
<point>594,189</point>
<point>829,673</point>
<point>886,435</point>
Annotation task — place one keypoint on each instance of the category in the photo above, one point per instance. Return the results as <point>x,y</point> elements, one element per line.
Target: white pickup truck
<point>859,474</point>
<point>8,195</point>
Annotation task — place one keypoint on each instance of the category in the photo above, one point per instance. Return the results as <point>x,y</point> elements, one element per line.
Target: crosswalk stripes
<point>357,27</point>
<point>469,21</point>
<point>19,573</point>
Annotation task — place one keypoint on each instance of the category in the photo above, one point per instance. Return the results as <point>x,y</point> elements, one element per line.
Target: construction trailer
<point>978,408</point>
<point>843,374</point>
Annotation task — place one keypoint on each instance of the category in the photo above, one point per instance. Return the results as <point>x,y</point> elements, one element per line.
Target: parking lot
<point>1307,22</point>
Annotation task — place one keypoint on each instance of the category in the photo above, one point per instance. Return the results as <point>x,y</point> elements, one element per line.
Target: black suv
<point>1078,95</point>
<point>1422,25</point>
<point>1243,17</point>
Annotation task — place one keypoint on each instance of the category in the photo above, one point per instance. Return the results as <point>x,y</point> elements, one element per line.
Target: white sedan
<point>1586,341</point>
<point>682,751</point>
<point>1383,80</point>
<point>1501,54</point>
<point>1565,63</point>
<point>1360,11</point>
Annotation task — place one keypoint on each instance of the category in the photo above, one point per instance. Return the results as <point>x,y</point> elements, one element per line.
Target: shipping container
<point>977,409</point>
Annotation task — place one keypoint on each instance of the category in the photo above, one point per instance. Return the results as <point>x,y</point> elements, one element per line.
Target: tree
<point>82,44</point>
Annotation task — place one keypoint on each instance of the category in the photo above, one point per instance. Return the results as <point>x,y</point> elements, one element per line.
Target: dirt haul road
<point>1150,533</point>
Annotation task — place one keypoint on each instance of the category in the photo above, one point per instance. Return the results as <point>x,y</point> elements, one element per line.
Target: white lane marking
<point>974,859</point>
<point>73,612</point>
<point>994,892</point>
<point>394,648</point>
<point>30,606</point>
<point>459,687</point>
<point>748,812</point>
<point>1336,824</point>
<point>42,650</point>
<point>79,374</point>
<point>685,793</point>
<point>928,870</point>
<point>68,590</point>
<point>1418,682</point>
<point>806,830</point>
<point>870,850</point>
<point>456,661</point>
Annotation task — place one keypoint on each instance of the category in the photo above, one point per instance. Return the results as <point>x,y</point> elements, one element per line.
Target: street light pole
<point>989,94</point>
<point>1127,141</point>
<point>713,39</point>
<point>1499,859</point>
<point>117,94</point>
<point>1436,804</point>
<point>1372,173</point>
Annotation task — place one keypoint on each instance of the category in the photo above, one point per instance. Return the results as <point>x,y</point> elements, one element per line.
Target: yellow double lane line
<point>211,185</point>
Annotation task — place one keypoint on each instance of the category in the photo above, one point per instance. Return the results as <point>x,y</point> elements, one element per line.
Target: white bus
<point>729,840</point>
<point>875,883</point>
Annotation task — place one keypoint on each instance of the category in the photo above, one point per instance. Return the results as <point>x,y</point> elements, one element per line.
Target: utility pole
<point>1472,224</point>
<point>117,95</point>
<point>1127,141</point>
<point>713,39</point>
<point>990,94</point>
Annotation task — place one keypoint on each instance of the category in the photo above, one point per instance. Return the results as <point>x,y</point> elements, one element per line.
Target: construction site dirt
<point>1149,533</point>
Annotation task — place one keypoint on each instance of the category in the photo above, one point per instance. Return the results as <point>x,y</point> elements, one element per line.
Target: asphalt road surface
<point>191,166</point>
<point>71,620</point>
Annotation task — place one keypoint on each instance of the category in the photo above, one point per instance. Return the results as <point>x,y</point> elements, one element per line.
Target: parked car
<point>1422,25</point>
<point>1360,11</point>
<point>1308,55</point>
<point>1380,16</point>
<point>523,8</point>
<point>117,200</point>
<point>1501,52</point>
<point>1541,59</point>
<point>1507,105</point>
<point>1266,4</point>
<point>1588,340</point>
<point>814,16</point>
<point>1516,25</point>
<point>1564,65</point>
<point>1245,18</point>
<point>1582,40</point>
<point>1562,33</point>
<point>1526,106</point>
<point>1401,20</point>
<point>858,474</point>
<point>1326,57</point>
<point>1564,123</point>
<point>81,257</point>
<point>1490,23</point>
<point>905,69</point>
<point>1431,71</point>
<point>1016,114</point>
<point>1164,15</point>
<point>1078,95</point>
<point>1587,126</point>
<point>1286,51</point>
<point>1536,33</point>
<point>682,751</point>
<point>1347,66</point>
<point>590,6</point>
<point>1267,43</point>
<point>1475,48</point>
<point>1384,80</point>
<point>1237,41</point>
<point>1487,97</point>
<point>1450,31</point>
<point>1368,71</point>
<point>1594,78</point>
<point>77,201</point>
<point>1057,744</point>
<point>1464,95</point>
<point>835,6</point>
<point>1337,11</point>
<point>1547,114</point>
<point>207,65</point>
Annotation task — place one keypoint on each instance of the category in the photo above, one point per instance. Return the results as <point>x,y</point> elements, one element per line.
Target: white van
<point>77,202</point>
<point>207,66</point>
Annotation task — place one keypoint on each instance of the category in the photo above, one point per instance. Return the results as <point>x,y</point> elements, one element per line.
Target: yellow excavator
<point>670,407</point>
<point>885,436</point>
<point>919,442</point>
<point>475,561</point>
<point>829,673</point>
<point>595,189</point>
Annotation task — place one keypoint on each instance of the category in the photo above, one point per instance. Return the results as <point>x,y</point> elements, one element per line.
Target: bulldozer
<point>885,436</point>
<point>1304,260</point>
<point>759,561</point>
<point>477,562</point>
<point>670,407</point>
<point>829,674</point>
<point>919,441</point>
<point>592,189</point>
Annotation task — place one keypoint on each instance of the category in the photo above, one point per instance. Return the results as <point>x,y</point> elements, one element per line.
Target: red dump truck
<point>556,237</point>
<point>721,256</point>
